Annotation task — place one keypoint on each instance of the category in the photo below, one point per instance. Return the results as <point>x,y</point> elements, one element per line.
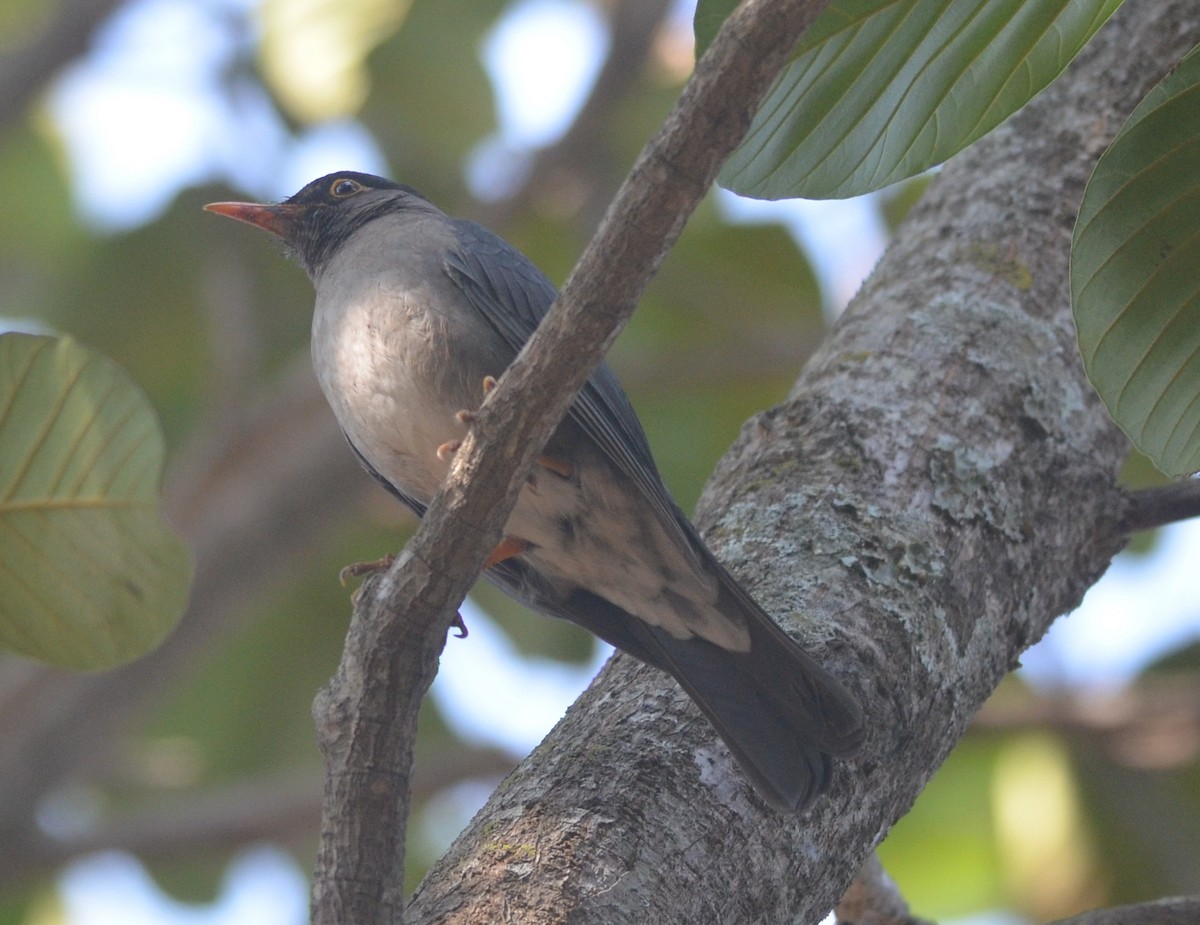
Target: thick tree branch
<point>366,717</point>
<point>936,490</point>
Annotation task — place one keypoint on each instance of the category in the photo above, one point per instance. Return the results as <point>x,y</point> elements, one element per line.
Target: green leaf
<point>880,90</point>
<point>1134,285</point>
<point>707,20</point>
<point>90,576</point>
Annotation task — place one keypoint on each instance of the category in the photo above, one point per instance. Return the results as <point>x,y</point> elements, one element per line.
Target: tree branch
<point>366,717</point>
<point>1156,709</point>
<point>584,159</point>
<point>65,35</point>
<point>1178,910</point>
<point>278,807</point>
<point>1156,507</point>
<point>874,899</point>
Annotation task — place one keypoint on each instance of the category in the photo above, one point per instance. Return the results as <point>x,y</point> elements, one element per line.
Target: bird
<point>416,316</point>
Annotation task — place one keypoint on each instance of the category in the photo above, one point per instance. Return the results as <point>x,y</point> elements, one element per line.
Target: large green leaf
<point>90,576</point>
<point>1134,282</point>
<point>880,90</point>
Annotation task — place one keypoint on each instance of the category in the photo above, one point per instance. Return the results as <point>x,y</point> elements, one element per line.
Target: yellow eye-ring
<point>344,187</point>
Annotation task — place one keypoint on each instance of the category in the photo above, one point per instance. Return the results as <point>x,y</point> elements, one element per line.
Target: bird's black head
<point>335,189</point>
<point>318,220</point>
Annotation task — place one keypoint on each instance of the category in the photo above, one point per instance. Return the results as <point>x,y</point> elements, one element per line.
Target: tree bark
<point>937,488</point>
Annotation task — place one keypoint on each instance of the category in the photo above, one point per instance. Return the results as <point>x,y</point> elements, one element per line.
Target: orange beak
<point>280,220</point>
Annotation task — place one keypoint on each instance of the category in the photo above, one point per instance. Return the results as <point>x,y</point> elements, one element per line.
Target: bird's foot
<point>508,547</point>
<point>464,417</point>
<point>358,569</point>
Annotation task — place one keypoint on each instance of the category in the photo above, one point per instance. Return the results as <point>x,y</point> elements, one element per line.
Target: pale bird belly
<point>384,396</point>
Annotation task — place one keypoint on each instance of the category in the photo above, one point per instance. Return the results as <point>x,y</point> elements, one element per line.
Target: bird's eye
<point>344,187</point>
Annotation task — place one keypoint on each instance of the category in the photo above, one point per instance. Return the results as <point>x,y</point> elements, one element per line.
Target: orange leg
<point>559,467</point>
<point>509,546</point>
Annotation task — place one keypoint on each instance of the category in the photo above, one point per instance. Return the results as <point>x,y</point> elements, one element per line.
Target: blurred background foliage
<point>1059,800</point>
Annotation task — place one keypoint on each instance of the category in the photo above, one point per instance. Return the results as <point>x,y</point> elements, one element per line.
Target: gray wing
<point>512,296</point>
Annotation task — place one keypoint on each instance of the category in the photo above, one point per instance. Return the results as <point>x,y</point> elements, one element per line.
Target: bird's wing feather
<point>512,296</point>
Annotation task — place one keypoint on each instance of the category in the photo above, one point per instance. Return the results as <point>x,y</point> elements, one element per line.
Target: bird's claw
<point>464,417</point>
<point>358,569</point>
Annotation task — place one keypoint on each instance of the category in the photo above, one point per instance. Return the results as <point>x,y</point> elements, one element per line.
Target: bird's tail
<point>780,713</point>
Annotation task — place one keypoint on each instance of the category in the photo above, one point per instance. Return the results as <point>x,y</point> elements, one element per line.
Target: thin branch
<point>1151,700</point>
<point>584,159</point>
<point>874,899</point>
<point>1154,724</point>
<point>281,807</point>
<point>366,717</point>
<point>63,36</point>
<point>1156,507</point>
<point>1178,910</point>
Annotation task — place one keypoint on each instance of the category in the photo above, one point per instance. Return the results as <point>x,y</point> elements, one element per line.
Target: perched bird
<point>416,312</point>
